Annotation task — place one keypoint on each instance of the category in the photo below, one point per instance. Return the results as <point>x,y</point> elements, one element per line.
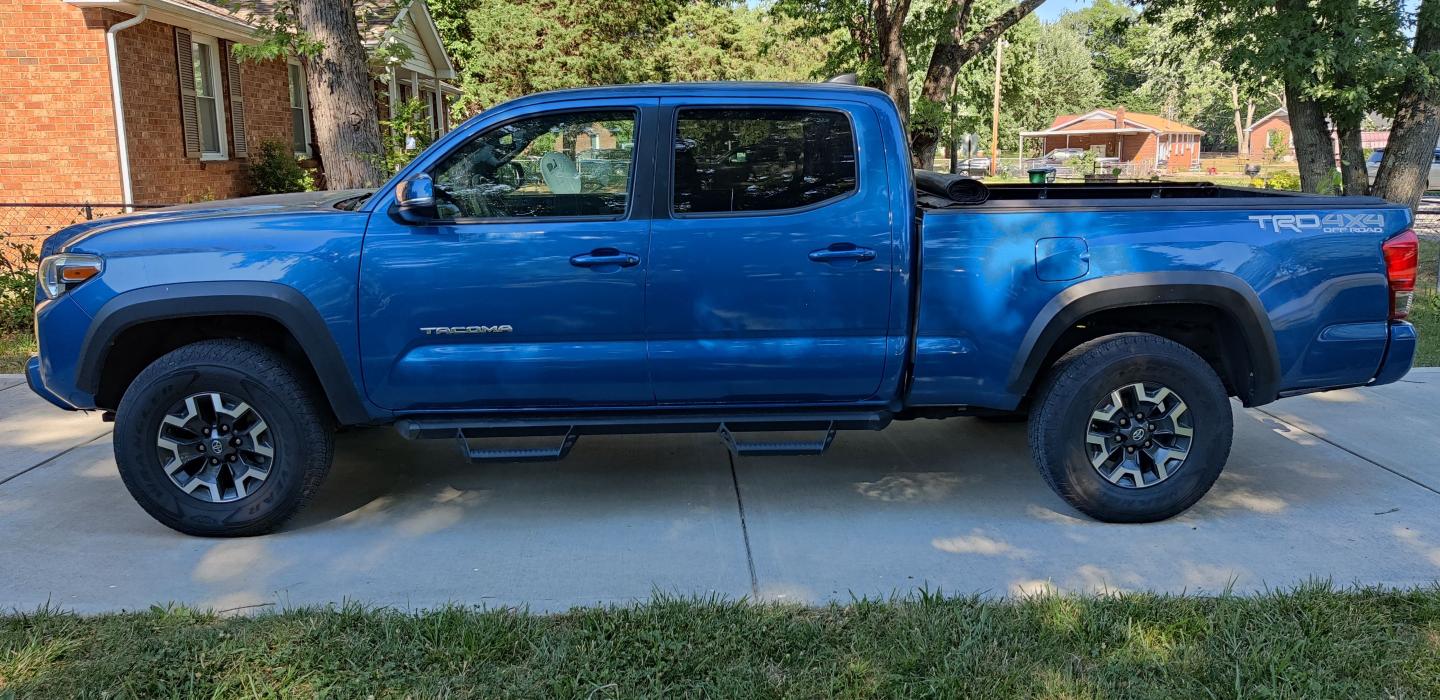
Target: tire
<point>1072,424</point>
<point>212,494</point>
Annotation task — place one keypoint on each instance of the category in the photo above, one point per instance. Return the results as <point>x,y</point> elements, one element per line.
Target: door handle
<point>602,257</point>
<point>837,252</point>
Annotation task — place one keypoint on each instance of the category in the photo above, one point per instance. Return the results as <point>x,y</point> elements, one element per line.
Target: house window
<point>299,111</point>
<point>210,108</point>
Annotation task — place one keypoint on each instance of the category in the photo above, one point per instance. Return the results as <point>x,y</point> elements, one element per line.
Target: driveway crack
<point>1350,452</point>
<point>52,458</point>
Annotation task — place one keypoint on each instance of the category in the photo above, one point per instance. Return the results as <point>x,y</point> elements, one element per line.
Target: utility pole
<point>995,111</point>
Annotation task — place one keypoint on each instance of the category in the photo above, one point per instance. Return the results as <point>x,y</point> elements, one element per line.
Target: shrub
<point>275,170</point>
<point>1284,181</point>
<point>17,287</point>
<point>404,135</point>
<point>1084,164</point>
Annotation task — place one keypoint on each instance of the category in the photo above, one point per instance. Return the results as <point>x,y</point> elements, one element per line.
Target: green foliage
<point>18,262</point>
<point>274,169</point>
<point>277,29</point>
<point>1276,146</point>
<point>508,48</point>
<point>1283,180</point>
<point>1083,164</point>
<point>404,135</point>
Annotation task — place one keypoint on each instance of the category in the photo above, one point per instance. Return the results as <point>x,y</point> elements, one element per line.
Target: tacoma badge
<point>465,330</point>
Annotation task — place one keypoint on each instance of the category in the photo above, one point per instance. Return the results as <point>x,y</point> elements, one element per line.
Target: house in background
<point>1143,142</point>
<point>1257,135</point>
<point>143,101</point>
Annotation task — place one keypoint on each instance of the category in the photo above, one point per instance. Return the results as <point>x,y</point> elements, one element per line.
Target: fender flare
<point>278,302</point>
<point>1221,290</point>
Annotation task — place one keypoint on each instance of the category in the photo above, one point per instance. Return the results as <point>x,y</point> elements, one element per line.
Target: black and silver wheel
<point>215,447</point>
<point>222,438</point>
<point>1131,428</point>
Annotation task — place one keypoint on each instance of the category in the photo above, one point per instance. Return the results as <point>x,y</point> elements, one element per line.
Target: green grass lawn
<point>15,349</point>
<point>1313,642</point>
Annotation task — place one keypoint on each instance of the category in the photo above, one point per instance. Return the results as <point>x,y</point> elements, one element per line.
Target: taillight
<point>1402,264</point>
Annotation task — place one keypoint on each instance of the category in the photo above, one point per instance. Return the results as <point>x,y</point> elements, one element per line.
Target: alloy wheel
<point>215,447</point>
<point>1139,435</point>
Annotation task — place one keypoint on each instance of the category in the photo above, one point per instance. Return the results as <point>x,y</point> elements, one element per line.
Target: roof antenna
<point>845,79</point>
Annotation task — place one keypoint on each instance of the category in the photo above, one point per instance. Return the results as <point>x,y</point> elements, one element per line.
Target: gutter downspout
<point>127,195</point>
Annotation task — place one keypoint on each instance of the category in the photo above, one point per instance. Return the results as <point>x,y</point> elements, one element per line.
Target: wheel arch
<point>1254,379</point>
<point>255,308</point>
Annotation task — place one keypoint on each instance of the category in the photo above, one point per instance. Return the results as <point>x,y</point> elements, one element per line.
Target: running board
<point>776,449</point>
<point>568,429</point>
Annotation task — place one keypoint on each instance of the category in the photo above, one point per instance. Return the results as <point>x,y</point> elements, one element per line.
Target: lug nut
<point>1130,449</point>
<point>235,442</point>
<point>231,458</point>
<point>1124,422</point>
<point>1147,443</point>
<point>214,460</point>
<point>199,448</point>
<point>224,428</point>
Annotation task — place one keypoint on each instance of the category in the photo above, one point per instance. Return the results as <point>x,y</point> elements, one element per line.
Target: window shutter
<point>185,68</point>
<point>237,103</point>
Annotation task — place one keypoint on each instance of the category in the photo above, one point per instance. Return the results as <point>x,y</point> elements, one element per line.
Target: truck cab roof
<point>723,88</point>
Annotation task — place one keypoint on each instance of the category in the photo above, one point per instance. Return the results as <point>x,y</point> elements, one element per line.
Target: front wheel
<point>222,438</point>
<point>1131,428</point>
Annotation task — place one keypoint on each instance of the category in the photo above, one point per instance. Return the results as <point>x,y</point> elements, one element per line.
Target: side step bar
<point>568,429</point>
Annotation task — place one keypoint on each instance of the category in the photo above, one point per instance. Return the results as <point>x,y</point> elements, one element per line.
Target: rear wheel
<point>222,438</point>
<point>1131,428</point>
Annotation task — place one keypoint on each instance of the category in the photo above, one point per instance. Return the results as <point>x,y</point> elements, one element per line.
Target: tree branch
<point>982,39</point>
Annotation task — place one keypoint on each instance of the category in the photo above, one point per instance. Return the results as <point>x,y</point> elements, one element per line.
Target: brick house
<point>1257,135</point>
<point>143,102</point>
<point>1142,142</point>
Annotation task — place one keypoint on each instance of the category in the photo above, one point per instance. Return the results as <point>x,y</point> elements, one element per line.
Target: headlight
<point>60,273</point>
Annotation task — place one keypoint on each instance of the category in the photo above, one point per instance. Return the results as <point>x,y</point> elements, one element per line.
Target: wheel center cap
<point>217,446</point>
<point>1137,434</point>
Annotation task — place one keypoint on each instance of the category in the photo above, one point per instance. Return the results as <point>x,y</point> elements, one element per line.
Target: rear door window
<point>758,160</point>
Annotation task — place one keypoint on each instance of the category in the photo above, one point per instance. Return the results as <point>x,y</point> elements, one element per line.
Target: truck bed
<point>994,276</point>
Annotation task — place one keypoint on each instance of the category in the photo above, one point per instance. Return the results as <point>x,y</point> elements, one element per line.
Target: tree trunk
<point>894,66</point>
<point>952,51</point>
<point>342,97</point>
<point>1314,151</point>
<point>1242,145</point>
<point>1405,169</point>
<point>1352,156</point>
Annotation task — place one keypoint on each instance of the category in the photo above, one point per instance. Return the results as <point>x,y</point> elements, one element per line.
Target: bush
<point>275,170</point>
<point>17,287</point>
<point>404,135</point>
<point>1284,181</point>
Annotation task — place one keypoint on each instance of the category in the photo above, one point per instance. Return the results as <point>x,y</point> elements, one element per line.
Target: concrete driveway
<point>1343,486</point>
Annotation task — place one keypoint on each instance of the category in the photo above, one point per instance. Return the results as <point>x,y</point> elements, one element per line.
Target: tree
<point>1335,58</point>
<point>1406,166</point>
<point>880,35</point>
<point>325,36</point>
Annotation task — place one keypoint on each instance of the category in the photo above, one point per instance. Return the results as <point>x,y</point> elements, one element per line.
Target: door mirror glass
<point>415,199</point>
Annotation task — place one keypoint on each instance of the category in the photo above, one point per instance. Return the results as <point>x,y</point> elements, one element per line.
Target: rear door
<point>529,291</point>
<point>771,254</point>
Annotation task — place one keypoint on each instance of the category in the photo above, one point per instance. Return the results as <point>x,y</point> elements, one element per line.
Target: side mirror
<point>415,199</point>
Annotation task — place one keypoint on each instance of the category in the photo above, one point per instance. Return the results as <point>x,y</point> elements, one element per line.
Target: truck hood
<point>270,204</point>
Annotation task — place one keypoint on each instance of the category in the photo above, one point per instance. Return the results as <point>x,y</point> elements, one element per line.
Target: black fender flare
<point>1221,290</point>
<point>278,302</point>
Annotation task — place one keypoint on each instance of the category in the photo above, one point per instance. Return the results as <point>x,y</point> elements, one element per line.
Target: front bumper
<point>1399,354</point>
<point>37,385</point>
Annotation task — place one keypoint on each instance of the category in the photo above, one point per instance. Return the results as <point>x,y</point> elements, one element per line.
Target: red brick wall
<point>1260,136</point>
<point>160,172</point>
<point>57,127</point>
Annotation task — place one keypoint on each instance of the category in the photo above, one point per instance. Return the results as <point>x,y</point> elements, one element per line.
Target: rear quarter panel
<point>1323,287</point>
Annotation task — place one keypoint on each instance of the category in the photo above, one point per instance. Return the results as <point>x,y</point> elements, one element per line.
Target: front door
<point>529,290</point>
<point>770,256</point>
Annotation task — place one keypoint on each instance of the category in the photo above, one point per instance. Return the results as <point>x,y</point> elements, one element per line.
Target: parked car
<point>777,272</point>
<point>1372,166</point>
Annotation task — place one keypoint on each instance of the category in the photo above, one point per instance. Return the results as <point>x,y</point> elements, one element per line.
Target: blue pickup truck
<point>741,259</point>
